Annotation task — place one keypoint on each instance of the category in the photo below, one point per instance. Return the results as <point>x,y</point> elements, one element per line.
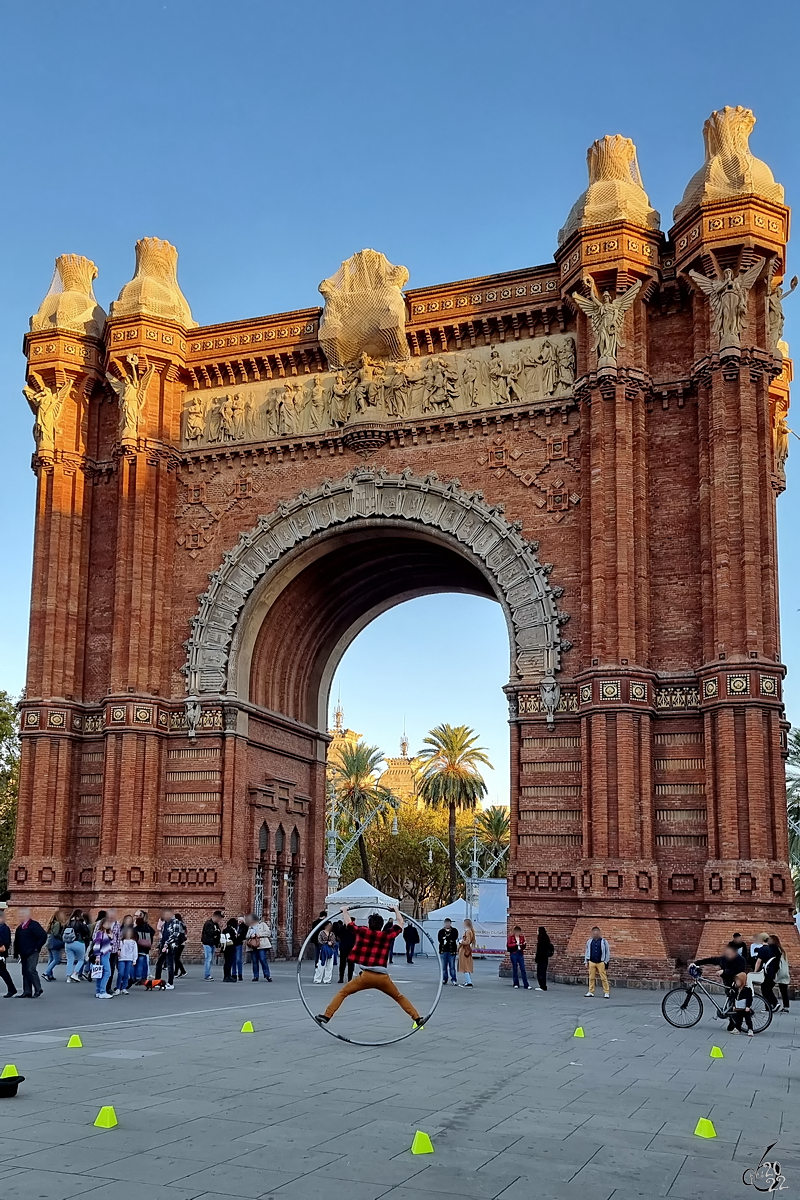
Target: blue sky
<point>269,142</point>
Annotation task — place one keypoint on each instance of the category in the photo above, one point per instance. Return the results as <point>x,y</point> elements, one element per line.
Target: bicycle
<point>683,1007</point>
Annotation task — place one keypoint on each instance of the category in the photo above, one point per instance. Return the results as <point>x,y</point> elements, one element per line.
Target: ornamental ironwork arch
<point>464,520</point>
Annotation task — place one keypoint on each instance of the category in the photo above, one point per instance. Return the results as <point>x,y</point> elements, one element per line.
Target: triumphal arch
<point>596,443</point>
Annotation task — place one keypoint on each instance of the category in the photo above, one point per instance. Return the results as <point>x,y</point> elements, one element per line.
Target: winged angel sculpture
<point>46,406</point>
<point>728,299</point>
<point>606,317</point>
<point>131,390</point>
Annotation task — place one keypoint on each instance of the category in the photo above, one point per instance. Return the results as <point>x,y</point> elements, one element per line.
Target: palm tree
<point>354,778</point>
<point>449,777</point>
<point>494,830</point>
<point>793,807</point>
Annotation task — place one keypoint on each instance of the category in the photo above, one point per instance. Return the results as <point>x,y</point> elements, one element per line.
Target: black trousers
<point>31,984</point>
<point>541,975</point>
<point>113,963</point>
<point>166,956</point>
<point>768,992</point>
<point>784,991</point>
<point>6,978</point>
<point>345,962</point>
<point>229,960</point>
<point>737,1017</point>
<point>179,967</point>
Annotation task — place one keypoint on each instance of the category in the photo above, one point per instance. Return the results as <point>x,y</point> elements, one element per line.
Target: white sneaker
<point>537,989</point>
<point>115,992</point>
<point>75,978</point>
<point>124,992</point>
<point>102,995</point>
<point>170,987</point>
<point>607,995</point>
<point>590,995</point>
<point>749,1033</point>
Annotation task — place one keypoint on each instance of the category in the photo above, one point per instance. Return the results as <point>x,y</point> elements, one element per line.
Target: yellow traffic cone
<point>248,1027</point>
<point>715,1052</point>
<point>106,1118</point>
<point>9,1071</point>
<point>579,1032</point>
<point>421,1144</point>
<point>705,1128</point>
<point>75,1042</point>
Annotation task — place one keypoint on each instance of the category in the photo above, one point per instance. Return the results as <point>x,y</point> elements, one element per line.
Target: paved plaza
<point>516,1106</point>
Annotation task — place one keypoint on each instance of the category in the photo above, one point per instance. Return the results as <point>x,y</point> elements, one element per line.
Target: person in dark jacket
<point>171,932</point>
<point>448,949</point>
<point>741,945</point>
<point>542,955</point>
<point>5,949</point>
<point>729,964</point>
<point>209,939</point>
<point>180,969</point>
<point>768,961</point>
<point>28,941</point>
<point>144,935</point>
<point>411,939</point>
<point>347,940</point>
<point>228,945</point>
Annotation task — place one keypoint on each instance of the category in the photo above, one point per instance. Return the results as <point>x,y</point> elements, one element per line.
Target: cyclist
<point>729,964</point>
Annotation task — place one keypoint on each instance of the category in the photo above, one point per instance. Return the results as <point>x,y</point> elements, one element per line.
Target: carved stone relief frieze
<point>379,391</point>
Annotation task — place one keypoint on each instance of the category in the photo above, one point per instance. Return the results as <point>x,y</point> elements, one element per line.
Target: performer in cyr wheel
<point>371,953</point>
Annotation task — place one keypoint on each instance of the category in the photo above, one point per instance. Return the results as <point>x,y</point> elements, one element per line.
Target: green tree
<point>494,831</point>
<point>450,778</point>
<point>354,778</point>
<point>793,808</point>
<point>9,783</point>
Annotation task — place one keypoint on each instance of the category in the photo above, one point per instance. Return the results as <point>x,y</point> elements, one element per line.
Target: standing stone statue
<point>728,299</point>
<point>195,420</point>
<point>775,317</point>
<point>566,363</point>
<point>548,361</point>
<point>606,317</point>
<point>781,444</point>
<point>131,390</point>
<point>469,380</point>
<point>340,399</point>
<point>46,405</point>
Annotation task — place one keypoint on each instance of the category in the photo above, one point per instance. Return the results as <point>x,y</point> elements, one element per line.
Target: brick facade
<point>653,802</point>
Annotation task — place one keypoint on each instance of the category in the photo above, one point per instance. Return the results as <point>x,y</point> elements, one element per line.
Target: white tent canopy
<point>455,911</point>
<point>360,894</point>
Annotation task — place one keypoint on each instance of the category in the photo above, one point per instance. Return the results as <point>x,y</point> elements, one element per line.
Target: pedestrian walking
<point>448,948</point>
<point>238,958</point>
<point>77,937</point>
<point>210,938</point>
<point>742,1009</point>
<point>597,956</point>
<point>411,939</point>
<point>227,943</point>
<point>29,938</point>
<point>782,973</point>
<point>144,933</point>
<point>389,926</point>
<point>5,950</point>
<point>115,933</point>
<point>180,969</point>
<point>128,957</point>
<point>328,954</point>
<point>729,964</point>
<point>768,961</point>
<point>543,953</point>
<point>516,951</point>
<point>465,948</point>
<point>55,943</point>
<point>170,933</point>
<point>347,940</point>
<point>259,944</point>
<point>101,959</point>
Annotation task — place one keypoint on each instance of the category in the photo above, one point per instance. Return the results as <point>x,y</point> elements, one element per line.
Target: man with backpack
<point>171,932</point>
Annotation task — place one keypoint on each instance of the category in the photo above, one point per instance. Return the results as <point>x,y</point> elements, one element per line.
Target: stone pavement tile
<point>231,1178</point>
<point>49,1185</point>
<point>321,1186</point>
<point>598,1124</point>
<point>372,1168</point>
<point>74,1158</point>
<point>159,1167</point>
<point>642,1169</point>
<point>473,1185</point>
<point>534,1187</point>
<point>292,1162</point>
<point>560,1160</point>
<point>555,1123</point>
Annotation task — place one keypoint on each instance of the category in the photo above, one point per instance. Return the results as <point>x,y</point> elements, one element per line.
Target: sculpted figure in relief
<point>469,381</point>
<point>195,420</point>
<point>607,317</point>
<point>566,363</point>
<point>781,443</point>
<point>775,317</point>
<point>728,299</point>
<point>70,302</point>
<point>46,405</point>
<point>131,392</point>
<point>365,311</point>
<point>340,400</point>
<point>548,361</point>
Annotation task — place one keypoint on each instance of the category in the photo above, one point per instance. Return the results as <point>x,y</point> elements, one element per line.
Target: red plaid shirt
<point>373,945</point>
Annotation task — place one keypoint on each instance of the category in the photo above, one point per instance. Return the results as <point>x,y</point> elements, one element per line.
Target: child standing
<point>742,1006</point>
<point>128,954</point>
